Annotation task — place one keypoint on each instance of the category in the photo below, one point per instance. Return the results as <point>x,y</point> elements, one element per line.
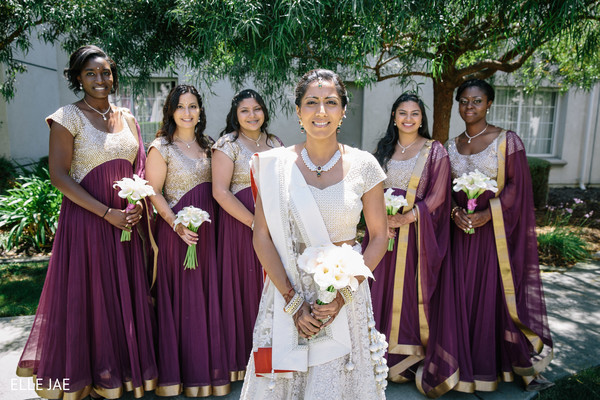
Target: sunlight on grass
<point>20,288</point>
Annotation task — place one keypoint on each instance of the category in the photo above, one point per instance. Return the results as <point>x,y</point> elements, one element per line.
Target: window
<point>146,104</point>
<point>531,115</point>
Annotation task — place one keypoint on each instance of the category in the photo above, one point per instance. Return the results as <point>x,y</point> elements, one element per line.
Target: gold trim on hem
<point>440,389</point>
<point>235,376</point>
<point>169,390</point>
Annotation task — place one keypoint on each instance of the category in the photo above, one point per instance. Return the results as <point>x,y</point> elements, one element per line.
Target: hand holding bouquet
<point>191,217</point>
<point>393,203</point>
<point>133,190</point>
<point>333,267</point>
<point>474,184</point>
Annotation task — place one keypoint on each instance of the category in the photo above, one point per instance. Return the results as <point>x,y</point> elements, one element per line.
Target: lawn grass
<point>20,287</point>
<point>582,385</point>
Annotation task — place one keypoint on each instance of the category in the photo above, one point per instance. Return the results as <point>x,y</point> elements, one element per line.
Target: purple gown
<point>428,258</point>
<point>496,347</point>
<point>241,274</point>
<point>192,356</point>
<point>94,323</point>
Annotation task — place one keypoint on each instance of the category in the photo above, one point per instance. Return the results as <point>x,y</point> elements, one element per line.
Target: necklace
<point>474,136</point>
<point>321,168</point>
<point>189,145</point>
<point>406,148</point>
<point>99,112</point>
<point>252,140</point>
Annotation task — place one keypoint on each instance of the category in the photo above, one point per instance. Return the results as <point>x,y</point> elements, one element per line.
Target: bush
<point>8,173</point>
<point>539,170</point>
<point>561,247</point>
<point>29,212</point>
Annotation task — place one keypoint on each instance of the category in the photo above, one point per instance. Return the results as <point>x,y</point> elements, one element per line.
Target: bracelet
<point>456,208</point>
<point>106,212</point>
<point>414,214</point>
<point>293,306</point>
<point>346,293</point>
<point>175,226</point>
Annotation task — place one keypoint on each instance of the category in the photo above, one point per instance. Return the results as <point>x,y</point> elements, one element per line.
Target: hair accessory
<point>98,111</point>
<point>321,168</point>
<point>320,81</point>
<point>473,137</point>
<point>249,138</point>
<point>293,306</point>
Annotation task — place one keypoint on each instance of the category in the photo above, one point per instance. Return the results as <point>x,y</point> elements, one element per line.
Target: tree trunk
<point>442,108</point>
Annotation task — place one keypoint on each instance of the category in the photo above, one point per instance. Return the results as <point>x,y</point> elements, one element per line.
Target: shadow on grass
<point>582,385</point>
<point>20,288</point>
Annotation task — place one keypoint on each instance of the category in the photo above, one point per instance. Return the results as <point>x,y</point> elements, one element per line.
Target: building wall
<point>43,89</point>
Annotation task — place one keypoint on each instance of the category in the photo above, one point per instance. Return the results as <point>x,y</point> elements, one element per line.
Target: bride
<point>312,194</point>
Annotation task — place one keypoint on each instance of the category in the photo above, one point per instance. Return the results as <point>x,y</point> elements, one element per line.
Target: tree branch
<point>6,42</point>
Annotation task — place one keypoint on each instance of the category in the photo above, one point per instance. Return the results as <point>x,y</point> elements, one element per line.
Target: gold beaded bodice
<point>340,204</point>
<point>183,173</point>
<point>486,161</point>
<point>240,155</point>
<point>399,173</point>
<point>91,146</point>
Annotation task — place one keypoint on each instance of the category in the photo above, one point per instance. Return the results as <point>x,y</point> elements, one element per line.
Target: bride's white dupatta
<point>287,200</point>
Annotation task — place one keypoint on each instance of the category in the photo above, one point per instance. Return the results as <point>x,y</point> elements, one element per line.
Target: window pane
<point>531,115</point>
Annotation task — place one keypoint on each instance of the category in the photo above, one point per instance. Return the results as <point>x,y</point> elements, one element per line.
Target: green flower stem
<point>191,261</point>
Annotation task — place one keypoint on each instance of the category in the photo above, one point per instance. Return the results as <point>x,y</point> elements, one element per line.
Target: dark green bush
<point>8,173</point>
<point>29,212</point>
<point>539,170</point>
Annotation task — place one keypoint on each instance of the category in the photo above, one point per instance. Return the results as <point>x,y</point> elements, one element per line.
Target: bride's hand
<point>329,311</point>
<point>306,324</point>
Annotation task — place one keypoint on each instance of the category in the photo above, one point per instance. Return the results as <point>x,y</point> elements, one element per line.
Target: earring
<point>301,127</point>
<point>338,127</point>
<point>80,87</point>
<point>420,126</point>
<point>488,111</point>
<point>395,123</point>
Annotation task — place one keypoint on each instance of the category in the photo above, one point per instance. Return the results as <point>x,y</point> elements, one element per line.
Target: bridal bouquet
<point>333,267</point>
<point>133,190</point>
<point>473,184</point>
<point>393,203</point>
<point>191,217</point>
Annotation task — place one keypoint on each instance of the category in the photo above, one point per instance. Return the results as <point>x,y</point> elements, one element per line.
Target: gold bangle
<point>294,304</point>
<point>456,208</point>
<point>346,293</point>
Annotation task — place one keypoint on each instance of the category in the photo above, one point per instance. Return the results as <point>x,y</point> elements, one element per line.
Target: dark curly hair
<point>387,144</point>
<point>325,75</point>
<point>168,126</point>
<point>232,123</point>
<point>485,87</point>
<point>78,60</point>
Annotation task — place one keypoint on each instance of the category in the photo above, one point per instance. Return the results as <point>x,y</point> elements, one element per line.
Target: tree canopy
<point>275,41</point>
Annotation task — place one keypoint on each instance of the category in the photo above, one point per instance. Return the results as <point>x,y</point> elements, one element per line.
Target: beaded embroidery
<point>485,161</point>
<point>399,173</point>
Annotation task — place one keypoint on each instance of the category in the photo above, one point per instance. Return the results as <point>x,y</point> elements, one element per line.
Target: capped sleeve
<point>371,171</point>
<point>227,146</point>
<point>162,146</point>
<point>68,117</point>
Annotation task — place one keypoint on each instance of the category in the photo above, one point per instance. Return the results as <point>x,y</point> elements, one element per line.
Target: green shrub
<point>561,247</point>
<point>29,212</point>
<point>8,173</point>
<point>539,170</point>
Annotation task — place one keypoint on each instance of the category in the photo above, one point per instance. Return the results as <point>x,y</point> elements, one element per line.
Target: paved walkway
<point>572,299</point>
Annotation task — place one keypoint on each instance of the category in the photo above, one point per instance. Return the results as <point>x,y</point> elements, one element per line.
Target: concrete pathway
<point>572,299</point>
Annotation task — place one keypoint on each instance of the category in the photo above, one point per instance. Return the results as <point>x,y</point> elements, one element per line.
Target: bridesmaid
<point>241,277</point>
<point>416,274</point>
<point>93,326</point>
<point>191,350</point>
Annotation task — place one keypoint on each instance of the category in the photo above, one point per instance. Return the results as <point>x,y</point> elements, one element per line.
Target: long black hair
<point>232,123</point>
<point>387,144</point>
<point>78,60</point>
<point>168,126</point>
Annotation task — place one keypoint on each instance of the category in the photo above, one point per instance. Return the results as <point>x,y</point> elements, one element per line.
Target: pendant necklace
<point>474,136</point>
<point>252,140</point>
<point>189,145</point>
<point>320,168</point>
<point>99,112</point>
<point>406,148</point>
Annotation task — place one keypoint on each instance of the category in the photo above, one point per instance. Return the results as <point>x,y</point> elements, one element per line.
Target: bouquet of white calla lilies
<point>474,184</point>
<point>333,268</point>
<point>133,190</point>
<point>191,217</point>
<point>393,204</point>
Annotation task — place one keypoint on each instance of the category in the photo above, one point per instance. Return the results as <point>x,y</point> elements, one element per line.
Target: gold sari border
<point>235,376</point>
<point>441,388</point>
<point>397,369</point>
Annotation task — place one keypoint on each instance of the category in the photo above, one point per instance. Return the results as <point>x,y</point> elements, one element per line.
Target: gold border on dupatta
<point>235,376</point>
<point>440,389</point>
<point>398,295</point>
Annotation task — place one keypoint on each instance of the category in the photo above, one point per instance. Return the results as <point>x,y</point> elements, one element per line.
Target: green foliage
<point>582,385</point>
<point>562,247</point>
<point>20,287</point>
<point>29,212</point>
<point>7,173</point>
<point>539,170</point>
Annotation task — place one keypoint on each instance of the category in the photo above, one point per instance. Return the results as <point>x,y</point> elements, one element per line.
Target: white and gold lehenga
<point>319,367</point>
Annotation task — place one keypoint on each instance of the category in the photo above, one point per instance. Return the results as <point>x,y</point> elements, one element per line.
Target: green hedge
<point>539,170</point>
